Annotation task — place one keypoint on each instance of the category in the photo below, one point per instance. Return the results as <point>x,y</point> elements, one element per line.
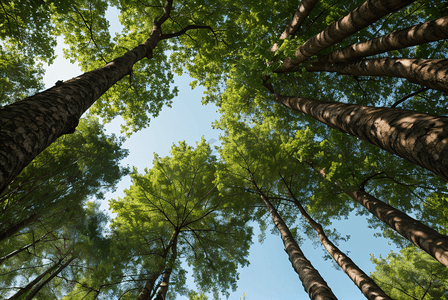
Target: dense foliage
<point>193,208</point>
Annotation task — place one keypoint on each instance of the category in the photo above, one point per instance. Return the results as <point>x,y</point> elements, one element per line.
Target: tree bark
<point>40,286</point>
<point>16,227</point>
<point>417,137</point>
<point>163,289</point>
<point>424,237</point>
<point>361,17</point>
<point>365,284</point>
<point>314,284</point>
<point>149,285</point>
<point>31,125</point>
<point>299,17</point>
<point>430,31</point>
<point>30,285</point>
<point>432,73</point>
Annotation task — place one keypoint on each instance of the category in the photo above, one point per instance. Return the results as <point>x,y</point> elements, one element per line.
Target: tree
<point>411,274</point>
<point>22,141</point>
<point>49,269</point>
<point>173,211</point>
<point>62,178</point>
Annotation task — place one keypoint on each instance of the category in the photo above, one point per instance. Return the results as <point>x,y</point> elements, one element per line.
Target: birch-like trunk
<point>417,137</point>
<point>29,126</point>
<point>432,73</point>
<point>427,32</point>
<point>368,13</point>
<point>314,284</point>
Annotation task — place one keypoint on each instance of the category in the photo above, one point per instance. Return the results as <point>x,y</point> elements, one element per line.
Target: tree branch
<point>409,96</point>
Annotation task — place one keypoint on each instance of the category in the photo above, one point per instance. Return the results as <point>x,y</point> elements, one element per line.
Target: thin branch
<point>409,96</point>
<point>184,30</point>
<point>91,32</point>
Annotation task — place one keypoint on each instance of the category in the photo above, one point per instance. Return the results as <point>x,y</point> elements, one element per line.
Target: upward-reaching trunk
<point>149,285</point>
<point>365,284</point>
<point>427,72</point>
<point>422,236</point>
<point>314,284</point>
<point>417,137</point>
<point>32,283</point>
<point>430,31</point>
<point>163,289</point>
<point>300,15</point>
<point>33,293</point>
<point>31,125</point>
<point>361,17</point>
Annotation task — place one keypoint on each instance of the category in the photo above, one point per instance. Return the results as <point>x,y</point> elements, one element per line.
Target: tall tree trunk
<point>417,137</point>
<point>30,285</point>
<point>430,31</point>
<point>2,259</point>
<point>163,289</point>
<point>149,285</point>
<point>16,227</point>
<point>31,125</point>
<point>426,72</point>
<point>422,236</point>
<point>365,284</point>
<point>41,285</point>
<point>314,284</point>
<point>300,15</point>
<point>361,17</point>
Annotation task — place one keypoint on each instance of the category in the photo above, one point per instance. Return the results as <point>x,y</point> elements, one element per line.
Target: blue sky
<point>270,275</point>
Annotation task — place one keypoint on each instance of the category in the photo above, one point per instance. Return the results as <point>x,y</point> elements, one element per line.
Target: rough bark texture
<point>361,17</point>
<point>365,284</point>
<point>424,237</point>
<point>432,73</point>
<point>314,284</point>
<point>417,137</point>
<point>31,125</point>
<point>300,15</point>
<point>16,227</point>
<point>430,31</point>
<point>149,285</point>
<point>163,289</point>
<point>36,290</point>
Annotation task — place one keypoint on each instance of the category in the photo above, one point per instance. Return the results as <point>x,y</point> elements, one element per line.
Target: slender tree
<point>430,31</point>
<point>365,284</point>
<point>314,284</point>
<point>361,17</point>
<point>426,72</point>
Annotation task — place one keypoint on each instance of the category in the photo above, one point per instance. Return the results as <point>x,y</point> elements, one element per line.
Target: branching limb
<point>409,96</point>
